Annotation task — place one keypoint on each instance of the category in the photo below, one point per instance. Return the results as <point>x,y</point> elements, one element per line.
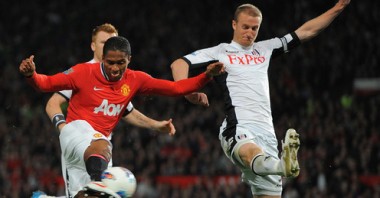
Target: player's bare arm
<point>138,119</point>
<point>180,69</point>
<point>53,108</point>
<point>313,27</point>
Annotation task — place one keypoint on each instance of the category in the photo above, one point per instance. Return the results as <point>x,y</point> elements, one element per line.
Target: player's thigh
<point>74,140</point>
<point>246,151</point>
<point>233,138</point>
<point>76,137</point>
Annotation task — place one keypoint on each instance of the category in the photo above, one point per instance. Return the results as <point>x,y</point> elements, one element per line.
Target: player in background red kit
<point>100,93</point>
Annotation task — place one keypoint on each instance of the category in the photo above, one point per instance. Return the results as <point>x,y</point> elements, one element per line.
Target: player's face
<point>115,64</point>
<point>246,29</point>
<point>98,44</point>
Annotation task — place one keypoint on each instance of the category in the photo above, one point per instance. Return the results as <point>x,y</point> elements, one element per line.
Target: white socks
<point>266,165</point>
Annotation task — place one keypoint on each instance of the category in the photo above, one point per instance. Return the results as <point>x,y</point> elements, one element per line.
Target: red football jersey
<point>101,102</point>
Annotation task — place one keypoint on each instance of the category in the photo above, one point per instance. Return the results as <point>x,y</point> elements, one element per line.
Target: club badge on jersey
<point>125,90</point>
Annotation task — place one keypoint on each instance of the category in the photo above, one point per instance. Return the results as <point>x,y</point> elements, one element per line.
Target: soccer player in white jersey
<point>132,116</point>
<point>247,133</point>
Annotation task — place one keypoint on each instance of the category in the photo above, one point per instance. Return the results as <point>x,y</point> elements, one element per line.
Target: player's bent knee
<point>99,147</point>
<point>247,152</point>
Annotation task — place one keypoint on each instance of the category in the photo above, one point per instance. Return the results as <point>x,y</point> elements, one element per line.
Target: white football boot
<point>290,147</point>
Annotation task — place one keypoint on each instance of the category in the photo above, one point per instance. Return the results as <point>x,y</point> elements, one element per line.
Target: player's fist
<point>198,98</point>
<point>166,126</point>
<point>215,69</point>
<point>343,3</point>
<point>27,66</point>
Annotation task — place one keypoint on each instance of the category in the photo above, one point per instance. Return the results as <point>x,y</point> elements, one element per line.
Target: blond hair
<point>106,27</point>
<point>249,9</point>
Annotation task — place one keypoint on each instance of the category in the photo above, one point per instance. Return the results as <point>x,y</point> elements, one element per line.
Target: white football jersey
<point>245,84</point>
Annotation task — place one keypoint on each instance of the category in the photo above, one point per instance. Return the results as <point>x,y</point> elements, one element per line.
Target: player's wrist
<point>188,96</point>
<point>58,119</point>
<point>60,126</point>
<point>209,74</point>
<point>29,75</point>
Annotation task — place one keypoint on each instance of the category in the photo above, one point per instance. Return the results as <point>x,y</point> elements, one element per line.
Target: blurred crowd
<point>312,91</point>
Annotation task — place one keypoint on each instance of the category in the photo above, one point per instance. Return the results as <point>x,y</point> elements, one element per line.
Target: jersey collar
<point>92,61</point>
<point>237,45</point>
<point>103,71</point>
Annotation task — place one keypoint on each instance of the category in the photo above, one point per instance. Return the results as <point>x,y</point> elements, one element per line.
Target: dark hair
<point>117,43</point>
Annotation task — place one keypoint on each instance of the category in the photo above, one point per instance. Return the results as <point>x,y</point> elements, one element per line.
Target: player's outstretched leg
<point>289,159</point>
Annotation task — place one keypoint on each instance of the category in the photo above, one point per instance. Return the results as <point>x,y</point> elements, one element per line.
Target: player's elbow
<point>307,34</point>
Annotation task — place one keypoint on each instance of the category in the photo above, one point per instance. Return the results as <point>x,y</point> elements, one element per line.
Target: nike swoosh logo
<point>97,89</point>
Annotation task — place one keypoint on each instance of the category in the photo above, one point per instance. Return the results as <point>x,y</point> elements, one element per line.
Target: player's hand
<point>198,98</point>
<point>166,126</point>
<point>27,66</point>
<point>343,3</point>
<point>215,69</point>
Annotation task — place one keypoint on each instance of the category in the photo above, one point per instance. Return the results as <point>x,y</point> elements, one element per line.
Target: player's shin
<point>263,164</point>
<point>95,165</point>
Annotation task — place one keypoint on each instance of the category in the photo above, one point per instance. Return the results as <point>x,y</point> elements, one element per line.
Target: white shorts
<point>74,138</point>
<point>234,137</point>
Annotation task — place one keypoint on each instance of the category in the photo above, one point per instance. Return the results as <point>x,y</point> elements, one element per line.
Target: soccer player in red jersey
<point>100,93</point>
<point>131,115</point>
